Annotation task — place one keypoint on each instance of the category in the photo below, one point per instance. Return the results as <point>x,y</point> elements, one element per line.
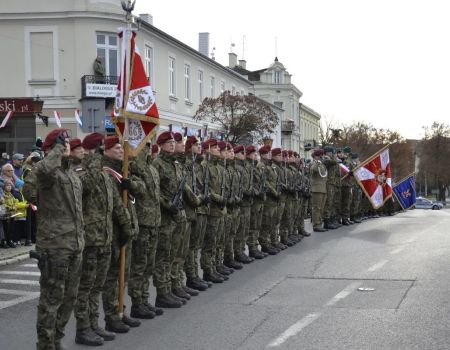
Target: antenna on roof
<point>243,47</point>
<point>213,57</point>
<point>276,47</point>
<point>231,46</point>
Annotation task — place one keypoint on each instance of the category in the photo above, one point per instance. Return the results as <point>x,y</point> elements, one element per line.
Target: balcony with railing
<point>287,126</point>
<point>95,86</point>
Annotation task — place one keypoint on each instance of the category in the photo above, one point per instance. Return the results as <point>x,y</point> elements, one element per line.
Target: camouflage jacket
<point>147,204</point>
<point>101,202</point>
<point>136,186</point>
<point>58,193</point>
<point>349,180</point>
<point>244,192</point>
<point>331,165</point>
<point>271,180</point>
<point>216,178</point>
<point>192,200</point>
<point>318,176</point>
<point>200,168</point>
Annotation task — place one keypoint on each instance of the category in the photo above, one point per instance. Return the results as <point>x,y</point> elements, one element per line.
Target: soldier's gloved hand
<point>99,149</point>
<point>125,184</point>
<point>173,210</point>
<point>61,139</point>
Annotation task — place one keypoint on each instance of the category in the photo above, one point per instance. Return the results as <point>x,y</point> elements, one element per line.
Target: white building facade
<point>310,127</point>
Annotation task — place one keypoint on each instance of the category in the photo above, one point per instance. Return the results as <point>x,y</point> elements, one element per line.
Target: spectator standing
<point>17,162</point>
<point>4,159</point>
<point>8,174</point>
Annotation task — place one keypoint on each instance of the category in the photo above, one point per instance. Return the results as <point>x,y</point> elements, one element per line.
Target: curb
<point>16,259</point>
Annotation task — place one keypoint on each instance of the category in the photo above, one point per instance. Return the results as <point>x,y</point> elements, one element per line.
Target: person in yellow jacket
<point>15,210</point>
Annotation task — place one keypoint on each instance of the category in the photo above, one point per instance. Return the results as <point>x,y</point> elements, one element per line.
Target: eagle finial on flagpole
<point>128,7</point>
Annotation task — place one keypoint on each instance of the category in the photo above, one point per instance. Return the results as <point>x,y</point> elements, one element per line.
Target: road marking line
<point>12,281</point>
<point>16,292</point>
<point>29,265</point>
<point>344,293</point>
<point>294,329</point>
<point>398,250</point>
<point>377,266</point>
<point>22,299</point>
<point>23,273</point>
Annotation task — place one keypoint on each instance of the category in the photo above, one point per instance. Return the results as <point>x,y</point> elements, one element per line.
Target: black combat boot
<point>270,250</point>
<point>192,292</point>
<point>357,220</point>
<point>195,283</point>
<point>288,242</point>
<point>107,336</point>
<point>88,337</point>
<point>345,222</point>
<point>319,229</point>
<point>156,310</point>
<point>233,264</point>
<point>243,258</point>
<point>279,246</point>
<point>256,254</point>
<point>130,321</point>
<point>223,270</point>
<point>212,277</point>
<point>166,301</point>
<point>116,325</point>
<point>180,293</point>
<point>140,311</point>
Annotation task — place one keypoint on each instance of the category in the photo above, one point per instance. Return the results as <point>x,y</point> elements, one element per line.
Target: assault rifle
<point>177,200</point>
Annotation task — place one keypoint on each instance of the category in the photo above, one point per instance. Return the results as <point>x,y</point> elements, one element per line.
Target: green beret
<point>355,155</point>
<point>328,149</point>
<point>347,149</point>
<point>338,150</point>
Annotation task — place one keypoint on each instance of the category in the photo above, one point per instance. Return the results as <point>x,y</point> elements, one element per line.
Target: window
<point>222,87</point>
<point>187,82</point>
<point>200,85</point>
<point>149,63</point>
<point>279,104</point>
<point>172,81</point>
<point>233,90</point>
<point>108,51</point>
<point>242,92</point>
<point>213,87</point>
<point>277,77</point>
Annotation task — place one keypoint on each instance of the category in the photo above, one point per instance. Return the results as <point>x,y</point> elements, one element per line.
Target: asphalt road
<point>304,298</point>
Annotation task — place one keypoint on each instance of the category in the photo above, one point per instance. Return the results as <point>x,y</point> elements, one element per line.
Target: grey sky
<point>383,62</point>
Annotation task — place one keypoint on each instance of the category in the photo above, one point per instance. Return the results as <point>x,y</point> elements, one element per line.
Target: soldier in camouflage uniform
<point>329,160</point>
<point>305,198</point>
<point>346,187</point>
<point>287,223</point>
<point>217,211</point>
<point>144,249</point>
<point>198,180</point>
<point>99,203</point>
<point>296,211</point>
<point>172,216</point>
<point>280,187</point>
<point>355,207</point>
<point>112,165</point>
<point>246,193</point>
<point>293,198</point>
<point>257,194</point>
<point>338,194</point>
<point>269,220</point>
<point>57,190</point>
<point>318,174</point>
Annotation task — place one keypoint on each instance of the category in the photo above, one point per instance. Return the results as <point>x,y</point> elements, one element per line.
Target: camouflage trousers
<point>355,206</point>
<point>275,234</point>
<point>318,201</point>
<point>179,252</point>
<point>231,239</point>
<point>329,210</point>
<point>110,295</point>
<point>198,230</point>
<point>242,232</point>
<point>60,276</point>
<point>269,223</point>
<point>287,222</point>
<point>337,202</point>
<point>256,215</point>
<point>94,269</point>
<point>225,237</point>
<point>303,212</point>
<point>163,257</point>
<point>214,232</point>
<point>142,262</point>
<point>346,201</point>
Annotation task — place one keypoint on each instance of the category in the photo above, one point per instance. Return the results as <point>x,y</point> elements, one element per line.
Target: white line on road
<point>294,329</point>
<point>377,266</point>
<point>16,292</point>
<point>22,299</point>
<point>344,293</point>
<point>12,281</point>
<point>29,265</point>
<point>398,250</point>
<point>22,273</point>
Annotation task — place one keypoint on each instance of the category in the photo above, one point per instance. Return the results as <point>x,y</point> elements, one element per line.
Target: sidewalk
<point>13,255</point>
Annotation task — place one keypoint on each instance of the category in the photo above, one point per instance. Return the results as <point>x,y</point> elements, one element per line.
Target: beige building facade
<point>310,126</point>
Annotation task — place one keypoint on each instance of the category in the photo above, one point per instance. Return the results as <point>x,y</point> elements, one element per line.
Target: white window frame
<point>149,63</point>
<point>172,76</point>
<point>233,90</point>
<point>107,47</point>
<point>222,86</point>
<point>277,78</point>
<point>200,76</point>
<point>212,81</point>
<point>187,82</point>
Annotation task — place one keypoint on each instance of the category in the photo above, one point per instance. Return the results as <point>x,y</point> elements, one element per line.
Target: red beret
<point>238,148</point>
<point>229,147</point>
<point>190,141</point>
<point>250,149</point>
<point>209,143</point>
<point>177,136</point>
<point>111,141</point>
<point>296,154</point>
<point>164,137</point>
<point>222,145</point>
<point>155,149</point>
<point>74,143</point>
<point>291,153</point>
<point>264,149</point>
<point>285,153</point>
<point>93,140</point>
<point>276,151</point>
<point>318,153</point>
<point>51,138</point>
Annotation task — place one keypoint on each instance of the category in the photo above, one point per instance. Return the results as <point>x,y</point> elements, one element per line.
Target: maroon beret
<point>177,136</point>
<point>285,153</point>
<point>276,151</point>
<point>291,153</point>
<point>74,143</point>
<point>155,149</point>
<point>51,138</point>
<point>93,140</point>
<point>164,137</point>
<point>318,153</point>
<point>250,149</point>
<point>190,141</point>
<point>264,149</point>
<point>111,141</point>
<point>209,143</point>
<point>238,148</point>
<point>229,147</point>
<point>222,145</point>
<point>296,155</point>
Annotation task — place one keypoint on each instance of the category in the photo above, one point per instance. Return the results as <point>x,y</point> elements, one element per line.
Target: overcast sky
<point>386,62</point>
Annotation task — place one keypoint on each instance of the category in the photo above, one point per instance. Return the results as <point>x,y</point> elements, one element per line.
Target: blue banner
<point>405,191</point>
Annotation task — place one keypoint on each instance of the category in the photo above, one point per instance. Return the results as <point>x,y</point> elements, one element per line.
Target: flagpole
<point>126,146</point>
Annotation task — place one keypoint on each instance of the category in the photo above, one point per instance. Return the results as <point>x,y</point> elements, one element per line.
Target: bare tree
<point>240,116</point>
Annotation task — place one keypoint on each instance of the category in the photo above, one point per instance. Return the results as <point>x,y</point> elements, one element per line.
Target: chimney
<point>243,64</point>
<point>146,17</point>
<point>203,43</point>
<point>232,60</point>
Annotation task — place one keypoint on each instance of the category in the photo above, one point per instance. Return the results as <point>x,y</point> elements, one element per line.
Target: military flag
<point>344,170</point>
<point>374,177</point>
<point>405,191</point>
<point>6,119</point>
<point>77,117</point>
<point>57,118</point>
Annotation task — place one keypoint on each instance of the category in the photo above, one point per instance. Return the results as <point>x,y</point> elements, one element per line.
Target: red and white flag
<point>343,169</point>
<point>77,117</point>
<point>33,207</point>
<point>7,117</point>
<point>57,118</point>
<point>374,177</point>
<point>140,109</point>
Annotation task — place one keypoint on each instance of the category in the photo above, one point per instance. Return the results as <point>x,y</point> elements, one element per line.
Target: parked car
<point>424,203</point>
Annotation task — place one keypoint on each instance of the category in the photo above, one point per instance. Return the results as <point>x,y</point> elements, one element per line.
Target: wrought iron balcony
<point>287,126</point>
